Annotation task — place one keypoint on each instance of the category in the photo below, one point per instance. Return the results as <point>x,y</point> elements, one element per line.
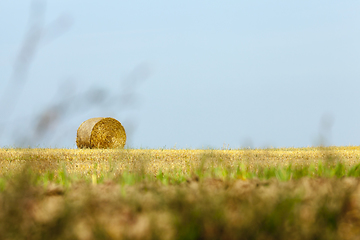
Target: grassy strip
<point>175,177</point>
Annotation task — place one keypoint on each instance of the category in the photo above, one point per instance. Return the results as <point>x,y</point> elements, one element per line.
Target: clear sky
<point>190,74</point>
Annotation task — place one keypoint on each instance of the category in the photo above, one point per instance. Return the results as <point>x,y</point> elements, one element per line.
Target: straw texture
<point>101,133</point>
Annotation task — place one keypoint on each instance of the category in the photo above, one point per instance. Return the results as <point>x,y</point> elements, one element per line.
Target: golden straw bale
<point>101,133</point>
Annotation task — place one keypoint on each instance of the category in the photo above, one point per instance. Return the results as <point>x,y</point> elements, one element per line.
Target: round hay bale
<point>101,133</point>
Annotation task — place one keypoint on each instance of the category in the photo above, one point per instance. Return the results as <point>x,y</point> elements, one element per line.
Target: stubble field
<point>307,193</point>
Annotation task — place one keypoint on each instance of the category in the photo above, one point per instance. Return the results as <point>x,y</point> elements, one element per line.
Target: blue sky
<point>190,74</point>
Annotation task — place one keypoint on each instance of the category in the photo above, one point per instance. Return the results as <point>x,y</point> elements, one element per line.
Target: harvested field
<point>85,161</point>
<point>309,193</point>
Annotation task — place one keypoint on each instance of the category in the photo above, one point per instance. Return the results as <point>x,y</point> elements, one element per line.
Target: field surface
<point>152,161</point>
<point>292,193</point>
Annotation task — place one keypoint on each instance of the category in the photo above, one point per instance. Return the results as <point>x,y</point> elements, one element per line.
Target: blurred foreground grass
<point>309,193</point>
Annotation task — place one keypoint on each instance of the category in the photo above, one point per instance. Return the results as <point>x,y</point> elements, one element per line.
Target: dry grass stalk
<point>101,133</point>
